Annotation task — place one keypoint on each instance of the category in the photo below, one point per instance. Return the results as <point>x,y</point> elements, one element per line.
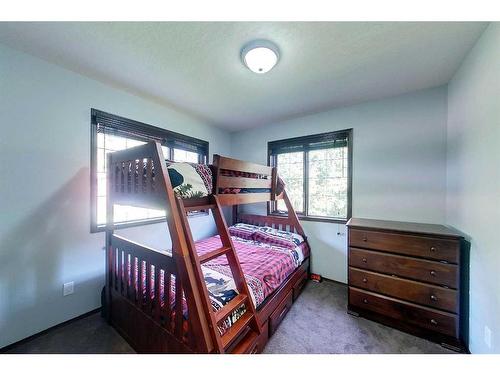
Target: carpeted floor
<point>316,323</point>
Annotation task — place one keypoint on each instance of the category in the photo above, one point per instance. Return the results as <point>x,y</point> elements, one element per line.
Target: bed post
<point>292,216</point>
<point>274,183</point>
<point>235,214</point>
<point>215,173</point>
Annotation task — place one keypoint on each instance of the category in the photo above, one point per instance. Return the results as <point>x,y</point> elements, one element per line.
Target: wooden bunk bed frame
<point>139,278</point>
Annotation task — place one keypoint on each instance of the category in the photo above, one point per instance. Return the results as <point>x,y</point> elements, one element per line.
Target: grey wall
<point>399,164</point>
<point>473,179</point>
<point>44,189</point>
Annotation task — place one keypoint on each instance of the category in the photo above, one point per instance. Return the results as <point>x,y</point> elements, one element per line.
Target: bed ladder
<point>240,337</point>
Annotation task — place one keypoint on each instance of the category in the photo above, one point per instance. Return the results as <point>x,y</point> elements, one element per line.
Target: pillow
<point>277,237</point>
<point>244,231</point>
<point>190,180</point>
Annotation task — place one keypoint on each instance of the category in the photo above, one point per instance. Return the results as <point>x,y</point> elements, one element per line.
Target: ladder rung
<point>199,207</point>
<point>214,254</point>
<point>245,344</point>
<point>228,308</point>
<point>236,329</point>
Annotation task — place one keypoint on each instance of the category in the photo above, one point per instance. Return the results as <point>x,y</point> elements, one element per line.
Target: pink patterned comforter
<point>265,266</point>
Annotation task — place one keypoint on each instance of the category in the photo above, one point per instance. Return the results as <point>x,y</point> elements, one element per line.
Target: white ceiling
<point>196,66</point>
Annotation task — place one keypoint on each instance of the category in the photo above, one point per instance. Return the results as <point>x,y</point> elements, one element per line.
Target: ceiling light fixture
<point>260,56</point>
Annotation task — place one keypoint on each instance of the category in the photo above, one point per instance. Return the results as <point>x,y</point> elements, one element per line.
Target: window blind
<point>123,127</point>
<point>312,142</point>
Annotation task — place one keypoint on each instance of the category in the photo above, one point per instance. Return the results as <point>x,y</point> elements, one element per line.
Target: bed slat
<point>134,271</point>
<point>128,274</point>
<point>122,178</point>
<point>241,166</point>
<point>232,199</point>
<point>167,290</point>
<point>148,289</point>
<point>149,173</point>
<point>158,297</point>
<point>178,308</point>
<point>243,182</point>
<point>122,270</point>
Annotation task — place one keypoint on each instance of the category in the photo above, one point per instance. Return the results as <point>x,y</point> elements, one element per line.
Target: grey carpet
<point>316,323</point>
<point>90,335</point>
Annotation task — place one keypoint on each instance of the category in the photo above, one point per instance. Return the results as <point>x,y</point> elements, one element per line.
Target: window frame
<point>141,130</point>
<point>272,161</point>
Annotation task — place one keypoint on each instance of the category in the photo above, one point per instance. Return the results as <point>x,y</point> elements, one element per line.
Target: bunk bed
<point>195,297</point>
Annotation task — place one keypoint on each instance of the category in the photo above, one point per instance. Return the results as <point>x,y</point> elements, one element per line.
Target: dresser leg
<point>353,313</point>
<point>452,347</point>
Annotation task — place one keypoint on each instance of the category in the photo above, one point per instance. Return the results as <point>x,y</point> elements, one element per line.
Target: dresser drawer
<point>412,291</point>
<point>416,269</point>
<point>413,245</point>
<point>280,312</point>
<point>438,321</point>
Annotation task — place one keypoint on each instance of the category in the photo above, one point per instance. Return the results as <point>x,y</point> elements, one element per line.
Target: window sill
<point>314,218</point>
<point>102,228</point>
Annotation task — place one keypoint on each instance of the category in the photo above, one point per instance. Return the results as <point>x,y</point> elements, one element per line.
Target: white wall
<point>44,189</point>
<point>399,164</point>
<point>473,179</point>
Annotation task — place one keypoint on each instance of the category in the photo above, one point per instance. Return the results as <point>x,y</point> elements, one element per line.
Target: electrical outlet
<point>68,288</point>
<point>487,336</point>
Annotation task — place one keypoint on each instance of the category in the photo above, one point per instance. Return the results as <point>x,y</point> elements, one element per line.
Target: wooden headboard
<point>240,182</point>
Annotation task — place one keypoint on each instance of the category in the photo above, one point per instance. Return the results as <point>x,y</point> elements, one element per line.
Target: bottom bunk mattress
<point>264,265</point>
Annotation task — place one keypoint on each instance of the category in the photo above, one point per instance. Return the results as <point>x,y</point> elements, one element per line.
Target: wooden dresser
<point>409,276</point>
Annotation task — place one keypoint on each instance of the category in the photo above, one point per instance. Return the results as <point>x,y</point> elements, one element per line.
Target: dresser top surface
<point>401,226</point>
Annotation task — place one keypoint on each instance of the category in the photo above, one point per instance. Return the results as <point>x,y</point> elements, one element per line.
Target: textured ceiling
<point>196,67</point>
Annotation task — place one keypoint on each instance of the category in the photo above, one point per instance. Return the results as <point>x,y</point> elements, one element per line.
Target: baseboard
<point>332,281</point>
<point>50,329</point>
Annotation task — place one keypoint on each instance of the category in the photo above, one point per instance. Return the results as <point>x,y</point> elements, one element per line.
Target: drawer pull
<point>283,312</point>
<point>364,260</point>
<point>433,273</point>
<point>365,279</point>
<point>434,322</point>
<point>365,301</point>
<point>433,249</point>
<point>365,238</point>
<point>433,298</point>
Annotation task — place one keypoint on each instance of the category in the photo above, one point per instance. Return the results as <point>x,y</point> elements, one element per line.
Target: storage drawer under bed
<point>279,313</point>
<point>299,285</point>
<point>260,343</point>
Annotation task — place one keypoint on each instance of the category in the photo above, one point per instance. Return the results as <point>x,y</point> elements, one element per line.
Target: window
<point>317,171</point>
<point>113,133</point>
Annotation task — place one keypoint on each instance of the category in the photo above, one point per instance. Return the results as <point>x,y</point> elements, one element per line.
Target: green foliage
<point>327,181</point>
<point>185,191</point>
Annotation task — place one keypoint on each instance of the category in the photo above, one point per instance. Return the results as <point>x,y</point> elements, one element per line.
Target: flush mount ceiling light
<point>260,56</point>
